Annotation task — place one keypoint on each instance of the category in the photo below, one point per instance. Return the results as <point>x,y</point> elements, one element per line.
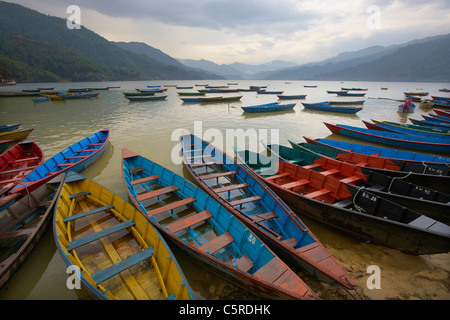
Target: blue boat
<point>405,129</point>
<point>391,138</point>
<point>349,94</point>
<point>269,92</point>
<point>291,96</point>
<point>206,231</point>
<point>434,124</point>
<point>324,106</point>
<point>436,118</point>
<point>41,99</point>
<point>9,127</point>
<point>269,107</point>
<point>78,157</point>
<point>247,197</point>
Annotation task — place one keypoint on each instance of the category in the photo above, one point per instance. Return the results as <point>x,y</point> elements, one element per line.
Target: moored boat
<point>406,129</point>
<point>120,255</point>
<point>350,94</point>
<point>146,98</point>
<point>269,107</point>
<point>391,138</point>
<point>353,209</point>
<point>206,231</point>
<point>418,129</point>
<point>78,157</point>
<point>18,162</point>
<point>9,127</point>
<point>22,225</point>
<point>291,96</point>
<point>324,106</point>
<point>247,197</point>
<point>15,135</point>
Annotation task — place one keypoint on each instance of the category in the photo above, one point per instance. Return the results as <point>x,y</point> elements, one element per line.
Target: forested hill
<point>35,47</point>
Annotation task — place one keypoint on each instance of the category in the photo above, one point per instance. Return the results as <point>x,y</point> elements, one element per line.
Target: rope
<point>360,209</point>
<point>395,178</point>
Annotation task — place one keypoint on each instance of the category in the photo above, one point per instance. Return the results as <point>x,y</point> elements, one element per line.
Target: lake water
<point>147,128</point>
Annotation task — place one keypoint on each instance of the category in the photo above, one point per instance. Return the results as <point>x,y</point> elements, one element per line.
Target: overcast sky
<point>257,31</point>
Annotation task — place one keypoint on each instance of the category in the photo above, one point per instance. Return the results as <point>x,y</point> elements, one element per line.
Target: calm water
<point>147,127</point>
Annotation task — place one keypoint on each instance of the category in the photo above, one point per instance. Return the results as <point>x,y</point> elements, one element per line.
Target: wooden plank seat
<point>79,194</point>
<point>94,144</point>
<point>218,175</point>
<point>18,169</point>
<point>87,213</point>
<point>171,206</point>
<point>264,216</point>
<point>281,175</point>
<point>245,200</point>
<point>271,271</point>
<point>26,159</point>
<point>362,164</point>
<point>59,165</point>
<point>294,184</point>
<point>290,242</point>
<point>146,179</point>
<point>98,235</point>
<point>121,266</point>
<point>101,139</point>
<point>312,166</point>
<point>136,170</point>
<point>244,263</point>
<point>317,193</point>
<point>86,150</point>
<point>329,172</point>
<point>156,193</point>
<point>203,164</point>
<point>16,233</point>
<point>217,243</point>
<point>350,179</point>
<point>76,157</point>
<point>188,221</point>
<point>232,187</point>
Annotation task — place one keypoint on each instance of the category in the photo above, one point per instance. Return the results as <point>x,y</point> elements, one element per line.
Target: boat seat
<point>245,200</point>
<point>135,170</point>
<point>290,242</point>
<point>146,179</point>
<point>350,179</point>
<point>188,221</point>
<point>121,266</point>
<point>98,235</point>
<point>218,175</point>
<point>203,164</point>
<point>87,213</point>
<point>271,271</point>
<point>281,175</point>
<point>19,169</point>
<point>171,206</point>
<point>317,193</point>
<point>26,159</point>
<point>330,172</point>
<point>312,166</point>
<point>294,184</point>
<point>264,216</point>
<point>86,150</point>
<point>244,263</point>
<point>59,165</point>
<point>232,187</point>
<point>101,139</point>
<point>217,243</point>
<point>80,194</point>
<point>16,233</point>
<point>156,193</point>
<point>94,144</point>
<point>362,164</point>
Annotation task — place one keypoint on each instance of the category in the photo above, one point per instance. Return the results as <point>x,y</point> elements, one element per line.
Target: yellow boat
<point>15,135</point>
<point>55,97</point>
<point>118,254</point>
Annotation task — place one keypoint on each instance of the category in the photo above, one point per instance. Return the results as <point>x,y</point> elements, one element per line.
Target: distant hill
<point>419,60</point>
<point>81,54</point>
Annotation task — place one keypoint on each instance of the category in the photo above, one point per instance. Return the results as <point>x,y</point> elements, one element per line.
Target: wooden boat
<point>391,138</point>
<point>269,92</point>
<point>191,93</point>
<point>435,121</point>
<point>41,99</point>
<point>206,231</point>
<point>78,95</point>
<point>151,90</point>
<point>99,89</point>
<point>350,94</point>
<point>218,90</point>
<point>138,94</point>
<point>427,170</point>
<point>182,88</point>
<point>442,113</point>
<point>421,94</point>
<point>444,90</point>
<point>211,99</point>
<point>247,197</point>
<point>440,98</point>
<point>353,209</point>
<point>9,127</point>
<point>121,256</point>
<point>403,130</point>
<point>22,225</point>
<point>291,96</point>
<point>30,90</point>
<point>78,157</point>
<point>18,162</point>
<point>389,125</point>
<point>436,118</point>
<point>441,104</point>
<point>6,94</point>
<point>5,144</point>
<point>346,102</point>
<point>45,89</point>
<point>429,124</point>
<point>15,135</point>
<point>324,106</point>
<point>354,89</point>
<point>79,90</point>
<point>335,91</point>
<point>310,86</point>
<point>413,98</point>
<point>269,107</point>
<point>403,109</point>
<point>55,97</point>
<point>424,200</point>
<point>146,98</point>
